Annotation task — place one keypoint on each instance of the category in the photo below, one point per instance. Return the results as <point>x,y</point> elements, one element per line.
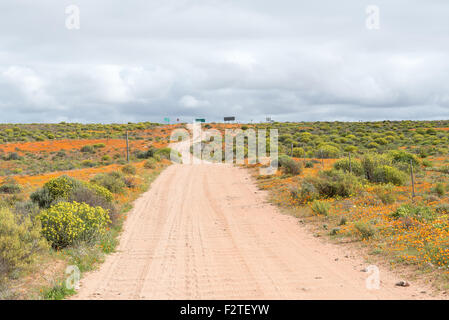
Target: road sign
<point>167,120</point>
<point>229,118</point>
<point>200,120</point>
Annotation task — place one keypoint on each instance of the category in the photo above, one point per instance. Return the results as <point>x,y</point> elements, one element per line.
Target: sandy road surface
<point>206,232</point>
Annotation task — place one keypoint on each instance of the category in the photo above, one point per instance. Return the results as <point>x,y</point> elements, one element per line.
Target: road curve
<point>206,232</point>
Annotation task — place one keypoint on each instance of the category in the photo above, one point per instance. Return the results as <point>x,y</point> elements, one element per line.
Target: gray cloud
<point>144,60</point>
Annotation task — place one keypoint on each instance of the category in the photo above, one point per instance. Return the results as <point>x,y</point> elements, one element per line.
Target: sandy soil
<point>206,232</point>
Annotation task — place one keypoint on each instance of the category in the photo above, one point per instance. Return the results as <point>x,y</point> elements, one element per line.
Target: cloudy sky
<point>143,60</point>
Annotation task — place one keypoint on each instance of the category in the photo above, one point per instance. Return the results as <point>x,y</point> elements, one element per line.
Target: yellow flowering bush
<point>60,187</point>
<point>99,190</point>
<point>67,222</point>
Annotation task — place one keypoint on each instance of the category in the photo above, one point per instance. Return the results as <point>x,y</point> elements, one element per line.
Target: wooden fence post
<point>127,147</point>
<point>412,178</point>
<point>350,166</point>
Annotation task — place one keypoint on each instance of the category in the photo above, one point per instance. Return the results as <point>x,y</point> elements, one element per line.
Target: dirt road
<point>206,232</point>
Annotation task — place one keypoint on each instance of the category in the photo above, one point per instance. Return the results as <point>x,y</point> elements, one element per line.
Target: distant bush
<point>25,209</point>
<point>164,153</point>
<point>289,165</point>
<point>385,193</point>
<point>20,242</point>
<point>370,162</point>
<point>414,211</point>
<point>305,192</point>
<point>336,183</point>
<point>130,182</point>
<point>309,164</point>
<point>401,156</point>
<point>95,198</point>
<point>87,149</point>
<point>442,208</point>
<point>356,166</point>
<point>328,152</point>
<point>444,169</point>
<point>42,197</point>
<point>10,187</point>
<point>99,145</point>
<point>150,163</point>
<point>320,207</point>
<point>298,152</point>
<point>387,174</point>
<point>440,189</point>
<point>129,169</point>
<point>12,156</point>
<point>66,223</point>
<point>365,229</point>
<point>146,154</point>
<point>88,163</point>
<point>113,181</point>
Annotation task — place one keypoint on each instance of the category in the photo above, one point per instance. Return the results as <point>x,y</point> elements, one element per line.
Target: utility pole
<point>350,166</point>
<point>127,147</point>
<point>413,179</point>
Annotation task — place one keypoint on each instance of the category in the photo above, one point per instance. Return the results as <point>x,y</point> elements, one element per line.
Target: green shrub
<point>146,154</point>
<point>87,149</point>
<point>150,163</point>
<point>328,152</point>
<point>426,163</point>
<point>370,162</point>
<point>88,164</point>
<point>129,169</point>
<point>306,191</point>
<point>164,153</point>
<point>365,229</point>
<point>387,174</point>
<point>12,156</point>
<point>309,164</point>
<point>440,189</point>
<point>10,188</point>
<point>385,193</point>
<point>444,169</point>
<point>113,181</point>
<point>65,223</point>
<point>417,212</point>
<point>401,156</point>
<point>336,183</point>
<point>99,145</point>
<point>320,207</point>
<point>356,166</point>
<point>289,165</point>
<point>58,291</point>
<point>20,241</point>
<point>298,152</point>
<point>442,208</point>
<point>26,209</point>
<point>42,197</point>
<point>99,191</point>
